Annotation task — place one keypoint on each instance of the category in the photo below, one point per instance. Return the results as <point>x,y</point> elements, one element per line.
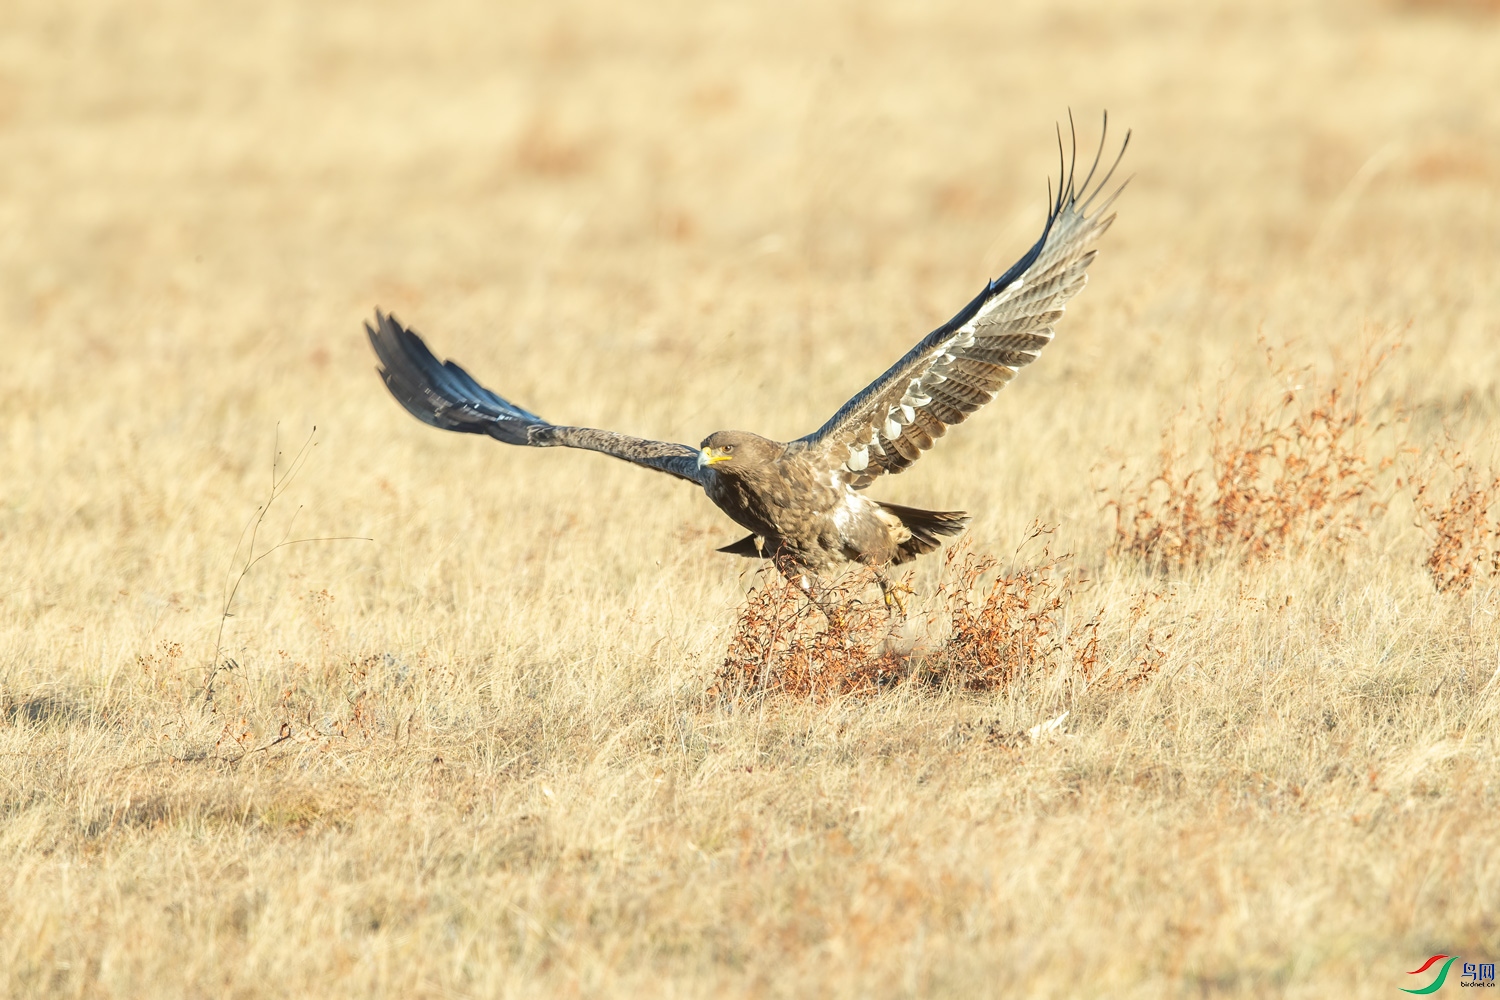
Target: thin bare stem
<point>280,483</point>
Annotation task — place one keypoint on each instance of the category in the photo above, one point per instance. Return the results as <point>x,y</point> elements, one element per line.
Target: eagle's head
<point>735,451</point>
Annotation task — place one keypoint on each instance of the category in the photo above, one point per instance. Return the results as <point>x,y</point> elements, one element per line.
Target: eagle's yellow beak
<point>711,457</point>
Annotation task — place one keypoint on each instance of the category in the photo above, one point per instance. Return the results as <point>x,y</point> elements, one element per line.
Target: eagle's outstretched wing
<point>960,366</point>
<point>442,394</point>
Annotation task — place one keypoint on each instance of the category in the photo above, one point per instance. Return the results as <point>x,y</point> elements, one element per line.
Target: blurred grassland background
<point>474,756</point>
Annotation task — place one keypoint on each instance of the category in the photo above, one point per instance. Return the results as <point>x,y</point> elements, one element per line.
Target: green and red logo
<point>1474,974</point>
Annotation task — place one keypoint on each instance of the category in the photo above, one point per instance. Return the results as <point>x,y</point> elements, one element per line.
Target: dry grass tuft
<point>1278,476</point>
<point>1464,526</point>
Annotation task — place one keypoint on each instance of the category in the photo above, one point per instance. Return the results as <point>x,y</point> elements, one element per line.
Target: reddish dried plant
<point>1277,476</point>
<point>996,629</point>
<point>1465,534</point>
<point>1003,630</point>
<point>783,643</point>
<point>1147,646</point>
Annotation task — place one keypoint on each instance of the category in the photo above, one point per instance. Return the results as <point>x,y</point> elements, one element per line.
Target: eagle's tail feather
<point>927,529</point>
<point>750,546</point>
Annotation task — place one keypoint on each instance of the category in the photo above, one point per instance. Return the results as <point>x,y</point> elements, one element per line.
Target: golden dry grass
<point>476,756</point>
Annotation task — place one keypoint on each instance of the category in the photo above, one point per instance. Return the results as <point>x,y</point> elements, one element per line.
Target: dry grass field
<point>533,737</point>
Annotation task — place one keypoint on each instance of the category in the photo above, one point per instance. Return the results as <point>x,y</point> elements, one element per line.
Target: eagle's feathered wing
<point>442,394</point>
<point>960,366</point>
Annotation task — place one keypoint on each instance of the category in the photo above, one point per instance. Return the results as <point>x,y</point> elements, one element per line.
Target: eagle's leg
<point>811,585</point>
<point>893,591</point>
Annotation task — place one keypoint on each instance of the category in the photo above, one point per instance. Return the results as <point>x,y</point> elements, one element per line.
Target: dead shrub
<point>784,644</point>
<point>1276,477</point>
<point>1003,630</point>
<point>982,629</point>
<point>1465,536</point>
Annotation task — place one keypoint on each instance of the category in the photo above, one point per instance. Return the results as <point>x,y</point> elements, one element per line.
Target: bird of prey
<point>803,501</point>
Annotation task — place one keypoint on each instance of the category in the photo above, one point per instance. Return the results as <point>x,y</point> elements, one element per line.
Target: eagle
<point>803,501</point>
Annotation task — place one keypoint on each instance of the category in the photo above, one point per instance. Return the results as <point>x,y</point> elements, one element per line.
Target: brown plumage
<point>802,500</point>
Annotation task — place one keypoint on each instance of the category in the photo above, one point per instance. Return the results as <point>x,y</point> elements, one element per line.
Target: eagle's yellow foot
<point>894,592</point>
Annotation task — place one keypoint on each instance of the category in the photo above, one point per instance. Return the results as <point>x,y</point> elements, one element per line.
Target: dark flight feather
<point>444,395</point>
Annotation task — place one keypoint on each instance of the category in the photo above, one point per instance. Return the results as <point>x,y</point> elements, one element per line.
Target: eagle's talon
<point>893,593</point>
